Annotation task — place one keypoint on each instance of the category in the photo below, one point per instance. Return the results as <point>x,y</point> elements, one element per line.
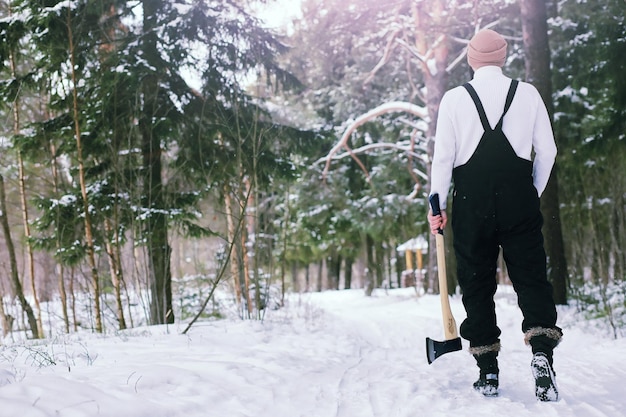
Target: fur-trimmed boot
<point>487,361</point>
<point>543,341</point>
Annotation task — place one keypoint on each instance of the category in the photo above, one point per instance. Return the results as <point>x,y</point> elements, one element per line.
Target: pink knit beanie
<point>487,47</point>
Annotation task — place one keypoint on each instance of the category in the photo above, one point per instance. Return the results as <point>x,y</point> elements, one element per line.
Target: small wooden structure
<point>413,249</point>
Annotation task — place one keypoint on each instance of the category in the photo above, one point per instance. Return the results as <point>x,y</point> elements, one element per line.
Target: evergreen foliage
<point>194,123</point>
<point>590,121</point>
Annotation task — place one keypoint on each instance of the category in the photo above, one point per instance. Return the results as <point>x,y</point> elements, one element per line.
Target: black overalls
<point>496,205</point>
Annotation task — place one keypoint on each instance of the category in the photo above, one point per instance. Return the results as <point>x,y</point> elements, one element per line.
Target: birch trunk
<point>83,186</point>
<point>115,270</point>
<point>23,200</point>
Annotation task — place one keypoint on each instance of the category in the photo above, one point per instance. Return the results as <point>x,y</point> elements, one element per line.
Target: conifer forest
<point>163,161</point>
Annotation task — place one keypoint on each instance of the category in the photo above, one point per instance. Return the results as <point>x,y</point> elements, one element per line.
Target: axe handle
<point>449,324</point>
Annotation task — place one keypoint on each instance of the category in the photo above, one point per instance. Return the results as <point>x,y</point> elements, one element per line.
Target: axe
<point>434,349</point>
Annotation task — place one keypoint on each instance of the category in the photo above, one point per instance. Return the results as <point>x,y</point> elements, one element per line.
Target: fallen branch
<point>222,270</point>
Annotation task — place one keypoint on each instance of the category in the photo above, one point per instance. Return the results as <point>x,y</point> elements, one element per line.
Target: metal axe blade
<point>435,349</point>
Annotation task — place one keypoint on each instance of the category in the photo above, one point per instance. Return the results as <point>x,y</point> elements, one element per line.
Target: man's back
<point>526,126</point>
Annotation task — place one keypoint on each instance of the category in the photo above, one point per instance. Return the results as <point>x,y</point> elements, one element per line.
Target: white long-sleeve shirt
<point>526,125</point>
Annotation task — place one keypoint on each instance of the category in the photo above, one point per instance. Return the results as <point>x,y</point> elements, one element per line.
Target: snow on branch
<point>391,107</point>
<point>367,148</point>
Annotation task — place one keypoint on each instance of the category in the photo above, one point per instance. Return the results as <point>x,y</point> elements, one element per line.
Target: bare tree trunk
<point>63,296</point>
<point>283,260</point>
<point>129,305</point>
<point>333,261</point>
<point>370,279</point>
<point>435,79</point>
<point>295,286</point>
<point>618,222</point>
<point>116,271</point>
<point>83,186</point>
<point>320,275</point>
<point>27,236</point>
<point>240,262</point>
<point>389,254</point>
<point>377,266</point>
<point>251,262</point>
<point>6,320</point>
<point>537,51</point>
<point>112,27</point>
<point>61,280</point>
<point>348,273</point>
<point>73,298</point>
<point>233,239</point>
<point>159,250</point>
<point>23,200</point>
<point>246,270</point>
<point>307,278</point>
<point>337,273</point>
<point>15,279</point>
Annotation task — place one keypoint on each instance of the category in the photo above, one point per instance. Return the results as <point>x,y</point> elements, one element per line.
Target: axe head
<point>435,349</point>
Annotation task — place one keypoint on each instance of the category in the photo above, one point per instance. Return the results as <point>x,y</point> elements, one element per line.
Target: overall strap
<point>509,100</point>
<point>479,106</point>
<point>481,110</point>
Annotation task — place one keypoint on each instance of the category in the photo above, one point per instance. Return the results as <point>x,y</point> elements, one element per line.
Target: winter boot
<point>543,341</point>
<point>545,381</point>
<point>487,361</point>
<point>487,385</point>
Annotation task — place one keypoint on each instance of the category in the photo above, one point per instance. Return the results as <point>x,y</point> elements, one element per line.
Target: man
<point>487,131</point>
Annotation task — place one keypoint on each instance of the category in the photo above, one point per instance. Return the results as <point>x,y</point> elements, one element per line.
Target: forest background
<point>168,160</point>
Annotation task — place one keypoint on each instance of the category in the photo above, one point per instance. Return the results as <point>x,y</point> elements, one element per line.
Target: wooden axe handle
<point>449,324</point>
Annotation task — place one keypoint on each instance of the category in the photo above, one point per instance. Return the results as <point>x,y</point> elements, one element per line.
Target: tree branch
<point>457,60</point>
<point>416,91</point>
<point>413,51</point>
<point>364,149</point>
<point>385,58</point>
<point>391,107</point>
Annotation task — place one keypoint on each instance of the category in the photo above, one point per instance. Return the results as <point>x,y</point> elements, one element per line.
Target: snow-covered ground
<point>324,355</point>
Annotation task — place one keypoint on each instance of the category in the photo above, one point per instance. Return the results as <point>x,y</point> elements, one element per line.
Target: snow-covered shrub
<point>603,303</point>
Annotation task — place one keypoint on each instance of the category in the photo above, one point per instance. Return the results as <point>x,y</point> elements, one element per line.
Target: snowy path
<point>334,354</point>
